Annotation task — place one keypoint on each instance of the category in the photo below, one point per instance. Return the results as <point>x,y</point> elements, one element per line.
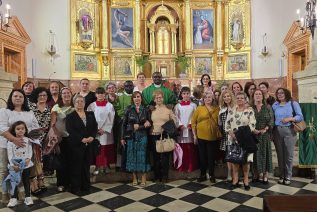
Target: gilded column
<point>219,45</point>
<point>137,24</point>
<point>104,26</point>
<point>187,27</point>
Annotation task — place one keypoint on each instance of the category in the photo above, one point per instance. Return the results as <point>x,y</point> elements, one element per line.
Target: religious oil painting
<point>123,67</point>
<point>122,27</point>
<point>203,29</point>
<point>203,65</point>
<point>238,63</point>
<point>87,63</point>
<point>85,25</point>
<point>237,32</point>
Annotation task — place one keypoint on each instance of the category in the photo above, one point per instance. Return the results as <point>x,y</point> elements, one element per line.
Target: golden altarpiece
<point>109,36</point>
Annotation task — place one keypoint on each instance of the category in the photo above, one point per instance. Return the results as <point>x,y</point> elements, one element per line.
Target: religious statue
<point>122,32</point>
<point>85,28</point>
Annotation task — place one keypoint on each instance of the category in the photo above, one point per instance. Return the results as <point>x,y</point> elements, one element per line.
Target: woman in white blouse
<point>240,115</point>
<point>17,110</point>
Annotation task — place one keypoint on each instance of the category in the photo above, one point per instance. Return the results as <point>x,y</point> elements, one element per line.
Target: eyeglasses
<point>42,95</point>
<point>281,92</point>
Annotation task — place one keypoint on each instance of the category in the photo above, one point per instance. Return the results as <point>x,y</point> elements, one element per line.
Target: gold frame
<point>213,66</point>
<point>85,74</point>
<point>212,8</point>
<point>115,76</point>
<point>110,27</point>
<point>238,74</point>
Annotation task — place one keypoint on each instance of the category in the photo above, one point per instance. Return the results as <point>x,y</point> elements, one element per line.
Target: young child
<point>184,111</point>
<point>104,113</point>
<point>23,154</point>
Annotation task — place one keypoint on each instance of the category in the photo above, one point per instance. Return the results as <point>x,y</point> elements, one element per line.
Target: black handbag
<point>95,147</point>
<point>235,154</point>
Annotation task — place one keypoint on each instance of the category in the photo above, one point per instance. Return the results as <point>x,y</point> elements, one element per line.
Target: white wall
<point>38,17</point>
<point>273,17</point>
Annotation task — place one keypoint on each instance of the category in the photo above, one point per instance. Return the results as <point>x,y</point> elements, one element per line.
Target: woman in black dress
<point>82,128</point>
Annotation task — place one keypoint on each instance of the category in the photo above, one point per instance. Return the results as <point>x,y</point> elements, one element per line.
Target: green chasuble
<point>169,97</point>
<point>122,103</point>
<point>308,138</point>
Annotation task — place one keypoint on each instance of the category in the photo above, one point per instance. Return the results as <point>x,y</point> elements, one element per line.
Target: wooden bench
<point>290,203</point>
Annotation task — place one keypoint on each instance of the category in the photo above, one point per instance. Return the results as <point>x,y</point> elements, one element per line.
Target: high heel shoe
<point>246,187</point>
<point>234,186</point>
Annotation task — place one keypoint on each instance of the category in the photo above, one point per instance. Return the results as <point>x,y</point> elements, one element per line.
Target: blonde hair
<point>241,93</point>
<point>157,92</point>
<point>222,102</point>
<point>205,95</point>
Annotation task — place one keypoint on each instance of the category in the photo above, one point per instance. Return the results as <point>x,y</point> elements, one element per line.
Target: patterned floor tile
<point>105,186</point>
<point>298,184</point>
<point>158,187</point>
<point>91,191</point>
<point>157,200</point>
<point>269,193</point>
<point>245,208</point>
<point>92,208</point>
<point>135,207</point>
<point>138,194</point>
<point>236,197</point>
<point>222,184</point>
<point>176,193</point>
<point>284,189</point>
<point>261,185</point>
<point>179,205</point>
<point>255,202</point>
<point>58,198</point>
<point>158,210</point>
<point>99,196</point>
<point>49,209</point>
<point>192,186</point>
<point>254,191</point>
<point>73,204</point>
<point>197,198</point>
<point>201,209</point>
<point>220,205</point>
<point>177,183</point>
<point>311,187</point>
<point>116,202</point>
<point>304,191</point>
<point>122,189</point>
<point>213,191</point>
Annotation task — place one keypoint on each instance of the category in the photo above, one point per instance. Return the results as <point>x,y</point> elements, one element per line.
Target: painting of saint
<point>238,63</point>
<point>203,65</point>
<point>85,26</point>
<point>203,32</point>
<point>122,67</point>
<point>122,27</point>
<point>86,63</point>
<point>237,33</point>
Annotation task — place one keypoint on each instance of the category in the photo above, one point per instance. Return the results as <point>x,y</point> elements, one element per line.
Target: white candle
<point>8,9</point>
<point>298,13</point>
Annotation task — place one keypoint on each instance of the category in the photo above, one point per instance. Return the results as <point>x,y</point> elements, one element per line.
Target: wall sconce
<point>51,46</point>
<point>264,50</point>
<point>5,18</point>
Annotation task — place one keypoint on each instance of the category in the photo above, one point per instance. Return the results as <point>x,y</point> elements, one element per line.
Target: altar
<point>182,39</point>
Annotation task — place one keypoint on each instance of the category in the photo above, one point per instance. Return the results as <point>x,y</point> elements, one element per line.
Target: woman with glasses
<point>286,112</point>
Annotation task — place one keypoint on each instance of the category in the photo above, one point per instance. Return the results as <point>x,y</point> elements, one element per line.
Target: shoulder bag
<point>298,126</point>
<point>235,154</point>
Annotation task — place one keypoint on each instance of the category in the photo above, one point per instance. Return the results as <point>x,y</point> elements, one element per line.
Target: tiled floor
<point>180,195</point>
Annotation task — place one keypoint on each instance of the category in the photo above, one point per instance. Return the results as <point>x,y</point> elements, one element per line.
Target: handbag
<point>298,126</point>
<point>213,122</point>
<point>165,145</point>
<point>235,154</point>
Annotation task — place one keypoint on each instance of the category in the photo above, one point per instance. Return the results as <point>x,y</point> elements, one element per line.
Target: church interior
<point>114,40</point>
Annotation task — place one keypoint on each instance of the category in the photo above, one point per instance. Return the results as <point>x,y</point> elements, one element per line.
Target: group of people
<point>46,130</point>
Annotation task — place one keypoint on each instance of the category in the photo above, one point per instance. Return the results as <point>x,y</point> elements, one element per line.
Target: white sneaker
<point>12,203</point>
<point>28,201</point>
<point>96,172</point>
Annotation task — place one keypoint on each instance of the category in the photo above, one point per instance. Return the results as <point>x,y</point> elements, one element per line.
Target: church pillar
<point>104,40</point>
<point>188,42</point>
<point>173,33</point>
<point>137,24</point>
<point>219,43</point>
